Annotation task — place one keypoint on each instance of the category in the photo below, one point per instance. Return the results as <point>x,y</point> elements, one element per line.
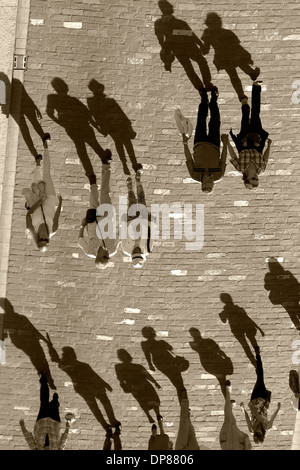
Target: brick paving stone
<point>96,313</point>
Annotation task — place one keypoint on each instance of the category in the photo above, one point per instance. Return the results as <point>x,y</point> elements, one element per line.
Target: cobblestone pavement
<point>98,312</point>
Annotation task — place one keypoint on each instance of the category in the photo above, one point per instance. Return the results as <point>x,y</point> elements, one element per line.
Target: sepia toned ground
<point>95,312</point>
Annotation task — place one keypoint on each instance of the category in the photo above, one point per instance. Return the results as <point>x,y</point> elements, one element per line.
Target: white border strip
<point>10,164</point>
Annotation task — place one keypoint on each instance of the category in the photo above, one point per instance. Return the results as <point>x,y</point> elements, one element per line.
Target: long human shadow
<point>135,379</point>
<point>112,120</point>
<point>212,358</point>
<point>87,383</point>
<point>71,114</point>
<point>177,39</point>
<point>158,353</point>
<point>22,109</point>
<point>241,325</point>
<point>284,289</point>
<point>229,54</point>
<point>26,337</point>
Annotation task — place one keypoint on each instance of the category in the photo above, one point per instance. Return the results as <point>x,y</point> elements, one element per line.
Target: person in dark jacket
<point>206,165</point>
<point>250,141</point>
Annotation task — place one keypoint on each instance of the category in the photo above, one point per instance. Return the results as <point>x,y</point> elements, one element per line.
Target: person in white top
<point>91,240</point>
<point>137,249</point>
<point>259,424</point>
<point>231,437</point>
<point>42,203</point>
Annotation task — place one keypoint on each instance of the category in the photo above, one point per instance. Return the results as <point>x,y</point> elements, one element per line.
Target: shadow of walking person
<point>26,337</point>
<point>159,354</point>
<point>178,40</point>
<point>241,325</point>
<point>229,54</point>
<point>284,289</point>
<point>212,358</point>
<point>112,120</point>
<point>135,379</point>
<point>22,108</point>
<point>89,385</point>
<point>70,113</point>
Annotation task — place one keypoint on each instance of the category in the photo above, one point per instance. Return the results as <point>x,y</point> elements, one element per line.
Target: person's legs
<point>229,418</point>
<point>142,210</point>
<point>235,81</point>
<point>183,431</point>
<point>94,196</point>
<point>38,173</point>
<point>131,154</point>
<point>107,442</point>
<point>201,131</point>
<point>82,154</point>
<point>252,72</point>
<point>117,439</point>
<point>140,193</point>
<point>92,404</point>
<point>26,136</point>
<point>245,122</point>
<point>121,152</point>
<point>105,189</point>
<point>131,198</point>
<point>44,397</point>
<point>146,411</point>
<point>204,69</point>
<point>155,408</point>
<point>30,113</point>
<point>259,390</point>
<point>160,424</point>
<point>226,438</point>
<point>104,194</point>
<point>241,337</point>
<point>54,408</point>
<point>255,122</point>
<point>90,138</point>
<point>192,441</point>
<point>190,71</point>
<point>108,409</point>
<point>50,190</point>
<point>214,122</point>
